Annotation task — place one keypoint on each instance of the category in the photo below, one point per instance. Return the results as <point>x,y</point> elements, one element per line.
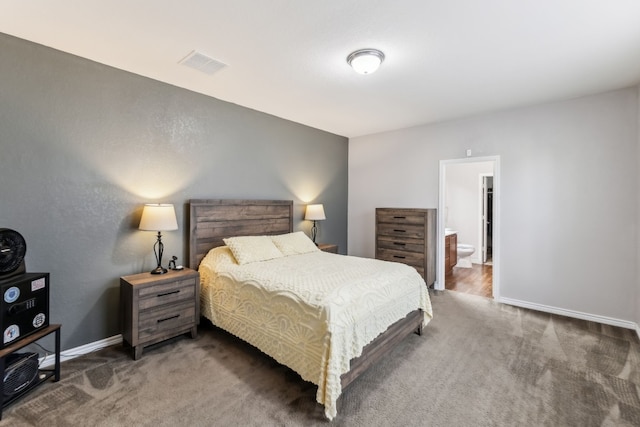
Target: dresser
<point>408,236</point>
<point>158,307</point>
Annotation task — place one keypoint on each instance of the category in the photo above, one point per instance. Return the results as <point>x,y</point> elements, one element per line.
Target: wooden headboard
<point>213,220</point>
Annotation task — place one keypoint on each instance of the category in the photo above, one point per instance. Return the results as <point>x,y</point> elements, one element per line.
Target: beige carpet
<point>478,364</point>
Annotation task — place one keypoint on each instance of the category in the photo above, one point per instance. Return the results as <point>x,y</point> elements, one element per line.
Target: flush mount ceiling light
<point>365,61</point>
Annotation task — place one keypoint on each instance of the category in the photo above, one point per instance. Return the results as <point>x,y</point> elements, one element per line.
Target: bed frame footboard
<point>377,348</point>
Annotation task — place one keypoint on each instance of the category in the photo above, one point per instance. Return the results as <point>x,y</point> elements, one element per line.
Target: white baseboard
<point>72,353</point>
<point>575,314</point>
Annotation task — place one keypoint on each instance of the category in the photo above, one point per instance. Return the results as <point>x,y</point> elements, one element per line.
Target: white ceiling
<point>444,58</point>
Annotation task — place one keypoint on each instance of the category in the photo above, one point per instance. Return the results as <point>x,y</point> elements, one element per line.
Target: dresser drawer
<point>402,230</point>
<point>400,218</point>
<point>411,258</point>
<point>166,293</point>
<point>401,244</point>
<point>155,323</point>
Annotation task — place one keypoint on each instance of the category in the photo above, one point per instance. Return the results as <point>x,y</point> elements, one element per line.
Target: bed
<point>322,335</point>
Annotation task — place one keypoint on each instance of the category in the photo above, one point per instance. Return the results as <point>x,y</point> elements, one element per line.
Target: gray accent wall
<point>569,195</point>
<point>83,146</point>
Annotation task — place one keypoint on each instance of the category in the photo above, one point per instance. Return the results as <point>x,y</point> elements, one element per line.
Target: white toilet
<point>464,252</point>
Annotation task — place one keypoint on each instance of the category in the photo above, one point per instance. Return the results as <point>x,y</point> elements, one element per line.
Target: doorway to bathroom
<point>468,226</point>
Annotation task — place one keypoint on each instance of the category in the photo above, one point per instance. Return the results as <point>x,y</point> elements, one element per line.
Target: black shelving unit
<point>43,374</point>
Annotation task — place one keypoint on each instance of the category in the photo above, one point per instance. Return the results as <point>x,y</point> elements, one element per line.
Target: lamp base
<point>159,270</point>
<point>314,232</point>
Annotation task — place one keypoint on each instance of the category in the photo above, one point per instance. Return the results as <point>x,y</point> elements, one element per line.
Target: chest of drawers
<point>408,236</point>
<point>158,307</point>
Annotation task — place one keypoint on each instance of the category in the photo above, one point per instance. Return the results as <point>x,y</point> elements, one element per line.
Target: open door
<point>487,218</point>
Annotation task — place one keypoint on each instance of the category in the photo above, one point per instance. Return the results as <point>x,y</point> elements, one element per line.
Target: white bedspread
<point>311,312</point>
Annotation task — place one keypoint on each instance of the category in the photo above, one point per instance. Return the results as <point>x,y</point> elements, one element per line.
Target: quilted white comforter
<point>312,312</point>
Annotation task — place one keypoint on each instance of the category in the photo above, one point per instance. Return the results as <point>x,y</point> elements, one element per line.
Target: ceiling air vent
<point>202,62</point>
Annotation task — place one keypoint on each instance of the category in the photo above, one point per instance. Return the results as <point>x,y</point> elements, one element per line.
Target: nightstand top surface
<point>170,275</point>
<point>328,247</point>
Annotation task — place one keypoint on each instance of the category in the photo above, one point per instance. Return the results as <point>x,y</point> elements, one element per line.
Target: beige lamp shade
<point>315,213</point>
<point>158,217</point>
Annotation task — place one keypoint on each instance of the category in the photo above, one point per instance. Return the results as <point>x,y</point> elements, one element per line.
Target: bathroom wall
<point>463,202</point>
<point>569,195</point>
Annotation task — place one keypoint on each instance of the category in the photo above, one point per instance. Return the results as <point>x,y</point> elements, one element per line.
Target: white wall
<point>636,230</point>
<point>463,202</point>
<point>569,195</point>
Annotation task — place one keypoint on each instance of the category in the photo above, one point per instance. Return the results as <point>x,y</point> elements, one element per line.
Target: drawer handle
<point>400,231</point>
<point>398,256</point>
<point>168,318</point>
<point>400,217</point>
<point>399,244</point>
<point>168,293</point>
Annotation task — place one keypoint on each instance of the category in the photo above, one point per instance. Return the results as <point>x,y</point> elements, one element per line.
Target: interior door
<point>487,217</point>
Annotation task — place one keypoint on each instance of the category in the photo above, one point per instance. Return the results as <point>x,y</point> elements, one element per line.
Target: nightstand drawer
<point>154,323</point>
<point>166,293</point>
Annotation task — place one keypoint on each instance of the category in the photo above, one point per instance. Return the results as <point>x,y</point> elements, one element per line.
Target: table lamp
<point>314,213</point>
<point>158,217</point>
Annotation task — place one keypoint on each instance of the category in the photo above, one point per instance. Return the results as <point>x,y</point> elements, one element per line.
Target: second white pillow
<point>294,243</point>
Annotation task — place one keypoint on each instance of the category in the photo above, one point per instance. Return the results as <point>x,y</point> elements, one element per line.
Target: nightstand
<point>328,247</point>
<point>159,307</point>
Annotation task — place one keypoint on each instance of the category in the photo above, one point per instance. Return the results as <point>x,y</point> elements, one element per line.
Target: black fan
<point>12,251</point>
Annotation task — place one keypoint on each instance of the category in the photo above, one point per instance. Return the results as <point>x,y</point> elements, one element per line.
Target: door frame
<point>439,285</point>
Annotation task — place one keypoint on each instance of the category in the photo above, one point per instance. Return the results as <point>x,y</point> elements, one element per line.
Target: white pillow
<point>219,258</point>
<point>247,249</point>
<point>294,243</point>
